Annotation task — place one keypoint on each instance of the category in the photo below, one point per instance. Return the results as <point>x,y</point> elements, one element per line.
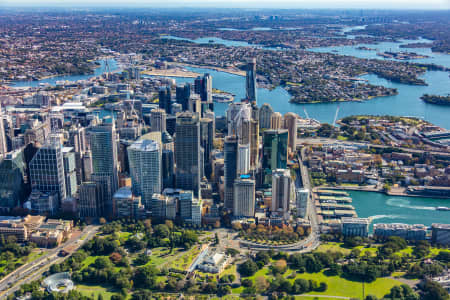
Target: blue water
<point>394,209</point>
<point>212,40</point>
<point>98,71</point>
<point>434,58</point>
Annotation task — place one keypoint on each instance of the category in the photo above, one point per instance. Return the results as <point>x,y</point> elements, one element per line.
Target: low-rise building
<point>355,226</point>
<point>440,234</point>
<point>415,232</point>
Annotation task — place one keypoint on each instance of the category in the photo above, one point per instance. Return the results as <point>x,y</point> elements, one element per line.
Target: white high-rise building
<point>244,198</point>
<point>3,148</point>
<point>282,191</point>
<point>243,165</point>
<point>144,157</point>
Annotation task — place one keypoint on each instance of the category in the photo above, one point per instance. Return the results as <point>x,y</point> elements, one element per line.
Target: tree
<point>433,291</point>
<point>223,290</point>
<point>161,231</point>
<point>115,258</point>
<point>102,263</point>
<point>279,267</point>
<point>248,268</point>
<point>142,259</point>
<point>102,221</point>
<point>261,284</point>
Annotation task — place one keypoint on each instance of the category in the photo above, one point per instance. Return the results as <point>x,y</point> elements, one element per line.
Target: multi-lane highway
<point>36,268</point>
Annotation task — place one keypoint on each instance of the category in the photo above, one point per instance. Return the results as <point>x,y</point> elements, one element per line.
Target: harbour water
<point>382,208</point>
<point>406,103</point>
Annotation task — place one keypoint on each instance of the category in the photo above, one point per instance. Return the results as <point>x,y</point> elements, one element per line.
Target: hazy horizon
<point>284,4</point>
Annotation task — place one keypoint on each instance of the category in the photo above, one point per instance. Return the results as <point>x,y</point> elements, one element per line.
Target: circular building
<point>59,282</point>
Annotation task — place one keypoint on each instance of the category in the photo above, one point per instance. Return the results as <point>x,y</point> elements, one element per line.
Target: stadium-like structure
<point>59,282</point>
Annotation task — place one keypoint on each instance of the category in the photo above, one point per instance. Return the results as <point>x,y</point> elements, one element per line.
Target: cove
<point>382,208</point>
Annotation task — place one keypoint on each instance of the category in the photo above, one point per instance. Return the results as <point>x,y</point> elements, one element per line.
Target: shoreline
<point>229,71</point>
<point>377,190</point>
<point>167,73</point>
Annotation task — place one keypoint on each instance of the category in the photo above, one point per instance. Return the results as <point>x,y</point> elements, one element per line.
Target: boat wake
<point>376,217</point>
<point>403,203</point>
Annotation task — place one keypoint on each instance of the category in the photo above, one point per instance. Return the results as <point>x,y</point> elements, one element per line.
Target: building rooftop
<point>123,192</point>
<point>144,145</point>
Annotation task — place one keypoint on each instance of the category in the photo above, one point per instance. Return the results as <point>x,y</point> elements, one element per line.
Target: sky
<point>357,4</point>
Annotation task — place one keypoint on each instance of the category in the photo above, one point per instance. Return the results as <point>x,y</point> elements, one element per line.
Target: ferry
<point>222,98</point>
<point>443,208</point>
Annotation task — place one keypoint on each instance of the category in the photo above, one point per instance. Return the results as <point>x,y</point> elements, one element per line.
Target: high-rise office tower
<point>203,87</point>
<point>282,191</point>
<point>90,202</point>
<point>243,164</point>
<point>275,151</point>
<point>195,104</point>
<point>183,93</point>
<point>165,99</point>
<point>254,143</point>
<point>168,168</point>
<point>47,169</point>
<point>3,148</point>
<point>237,114</point>
<point>56,121</point>
<point>187,152</point>
<point>158,119</point>
<point>103,142</point>
<point>13,189</point>
<point>265,116</point>
<point>301,202</point>
<point>276,121</point>
<point>77,140</point>
<point>230,149</point>
<point>144,157</point>
<point>69,171</point>
<point>206,141</point>
<point>290,123</point>
<point>250,81</point>
<point>244,197</point>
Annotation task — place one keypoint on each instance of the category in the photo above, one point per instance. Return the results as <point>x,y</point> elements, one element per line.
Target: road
<point>35,269</point>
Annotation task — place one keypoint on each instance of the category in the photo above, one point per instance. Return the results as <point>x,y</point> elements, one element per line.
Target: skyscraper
<point>183,93</point>
<point>243,165</point>
<point>244,198</point>
<point>144,157</point>
<point>103,142</point>
<point>206,141</point>
<point>290,123</point>
<point>90,202</point>
<point>203,87</point>
<point>282,191</point>
<point>276,120</point>
<point>69,171</point>
<point>250,81</point>
<point>3,148</point>
<point>275,148</point>
<point>265,115</point>
<point>158,119</point>
<point>165,99</point>
<point>47,169</point>
<point>237,114</point>
<point>187,152</point>
<point>230,169</point>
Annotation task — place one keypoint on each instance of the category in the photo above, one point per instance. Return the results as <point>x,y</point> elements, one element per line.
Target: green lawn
<point>95,290</point>
<point>184,261</point>
<point>338,286</point>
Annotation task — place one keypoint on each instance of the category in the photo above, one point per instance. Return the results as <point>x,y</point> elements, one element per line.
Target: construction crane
<point>336,115</point>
